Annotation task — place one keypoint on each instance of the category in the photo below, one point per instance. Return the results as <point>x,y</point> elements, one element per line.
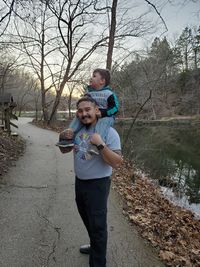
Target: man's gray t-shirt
<point>91,167</point>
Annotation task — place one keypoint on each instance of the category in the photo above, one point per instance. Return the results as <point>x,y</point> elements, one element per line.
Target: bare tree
<point>28,93</point>
<point>78,20</point>
<point>7,66</point>
<point>59,44</point>
<point>39,42</point>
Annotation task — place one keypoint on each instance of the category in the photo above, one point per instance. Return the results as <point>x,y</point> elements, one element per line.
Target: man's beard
<point>87,125</point>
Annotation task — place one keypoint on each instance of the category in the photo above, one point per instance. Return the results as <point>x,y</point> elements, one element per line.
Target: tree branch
<point>155,8</point>
<point>138,112</point>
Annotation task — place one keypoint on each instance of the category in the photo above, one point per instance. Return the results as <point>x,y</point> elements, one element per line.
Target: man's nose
<point>84,113</point>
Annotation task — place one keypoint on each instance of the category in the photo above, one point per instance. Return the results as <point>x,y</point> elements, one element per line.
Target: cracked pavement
<point>39,223</point>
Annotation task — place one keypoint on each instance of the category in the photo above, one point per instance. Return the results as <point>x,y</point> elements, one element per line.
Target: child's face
<point>96,81</point>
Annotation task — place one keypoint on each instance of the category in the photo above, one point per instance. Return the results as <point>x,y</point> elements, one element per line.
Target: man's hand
<point>110,157</point>
<point>96,139</point>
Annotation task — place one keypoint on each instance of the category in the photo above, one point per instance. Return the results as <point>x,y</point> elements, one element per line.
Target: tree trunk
<point>44,107</point>
<point>36,114</point>
<point>55,106</point>
<point>186,59</point>
<point>195,59</point>
<point>112,35</point>
<point>69,105</point>
<point>153,110</point>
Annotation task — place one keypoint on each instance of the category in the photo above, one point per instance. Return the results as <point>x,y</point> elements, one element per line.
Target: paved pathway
<point>39,223</point>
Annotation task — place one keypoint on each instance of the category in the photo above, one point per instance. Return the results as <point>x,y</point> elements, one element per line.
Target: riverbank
<point>174,231</point>
<point>165,121</point>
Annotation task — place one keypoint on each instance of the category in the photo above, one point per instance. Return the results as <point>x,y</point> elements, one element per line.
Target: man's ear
<point>98,112</point>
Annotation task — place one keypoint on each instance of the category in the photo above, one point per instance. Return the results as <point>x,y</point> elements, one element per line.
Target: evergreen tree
<point>196,47</point>
<point>184,45</point>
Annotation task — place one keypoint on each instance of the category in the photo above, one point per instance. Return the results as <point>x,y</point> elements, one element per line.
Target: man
<point>93,178</point>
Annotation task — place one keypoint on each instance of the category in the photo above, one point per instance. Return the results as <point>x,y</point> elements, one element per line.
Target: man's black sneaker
<point>85,249</point>
<point>65,143</point>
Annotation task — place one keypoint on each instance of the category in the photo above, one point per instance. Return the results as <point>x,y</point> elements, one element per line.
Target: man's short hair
<point>86,99</point>
<point>105,74</point>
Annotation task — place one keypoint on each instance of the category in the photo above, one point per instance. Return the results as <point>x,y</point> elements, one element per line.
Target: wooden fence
<point>6,108</point>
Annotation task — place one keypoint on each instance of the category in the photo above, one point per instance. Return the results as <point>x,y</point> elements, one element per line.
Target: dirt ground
<point>39,222</point>
<point>12,147</point>
<point>175,232</point>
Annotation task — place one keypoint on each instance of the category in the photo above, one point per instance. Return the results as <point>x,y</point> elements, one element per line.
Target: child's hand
<point>67,134</point>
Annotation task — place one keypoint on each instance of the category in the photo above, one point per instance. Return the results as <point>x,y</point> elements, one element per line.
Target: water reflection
<point>169,154</point>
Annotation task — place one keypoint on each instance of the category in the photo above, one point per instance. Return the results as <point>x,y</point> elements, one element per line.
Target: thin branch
<point>154,7</point>
<point>9,16</point>
<point>9,12</point>
<point>102,8</point>
<point>134,119</point>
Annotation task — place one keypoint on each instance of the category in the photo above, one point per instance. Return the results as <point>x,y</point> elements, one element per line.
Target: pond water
<point>171,156</point>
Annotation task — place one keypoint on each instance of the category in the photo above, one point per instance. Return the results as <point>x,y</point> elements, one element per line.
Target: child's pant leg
<point>103,126</point>
<point>75,124</point>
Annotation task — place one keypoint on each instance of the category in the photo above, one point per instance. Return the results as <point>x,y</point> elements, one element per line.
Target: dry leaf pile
<point>10,149</point>
<point>173,230</point>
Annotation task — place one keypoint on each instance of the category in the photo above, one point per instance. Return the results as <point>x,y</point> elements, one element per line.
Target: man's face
<point>96,81</point>
<point>87,112</point>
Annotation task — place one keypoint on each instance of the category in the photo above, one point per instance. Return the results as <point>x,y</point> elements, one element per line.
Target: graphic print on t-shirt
<point>81,146</point>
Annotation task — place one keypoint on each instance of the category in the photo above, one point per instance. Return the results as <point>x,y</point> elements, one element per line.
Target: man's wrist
<point>101,146</point>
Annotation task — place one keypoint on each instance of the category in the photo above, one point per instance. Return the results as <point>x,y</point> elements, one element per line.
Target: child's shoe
<point>65,143</point>
<point>93,150</point>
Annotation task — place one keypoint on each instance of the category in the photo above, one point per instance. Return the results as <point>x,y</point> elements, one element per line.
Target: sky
<point>177,17</point>
<point>177,14</point>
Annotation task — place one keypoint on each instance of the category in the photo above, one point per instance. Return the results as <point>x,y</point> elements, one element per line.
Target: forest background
<point>48,50</point>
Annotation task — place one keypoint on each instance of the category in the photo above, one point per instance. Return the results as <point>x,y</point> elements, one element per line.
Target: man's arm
<point>111,157</point>
<point>114,159</point>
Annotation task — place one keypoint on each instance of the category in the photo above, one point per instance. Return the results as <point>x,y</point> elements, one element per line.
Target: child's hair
<point>105,74</point>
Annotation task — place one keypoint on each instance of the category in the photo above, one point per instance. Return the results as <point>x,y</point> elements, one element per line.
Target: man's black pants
<point>91,200</point>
